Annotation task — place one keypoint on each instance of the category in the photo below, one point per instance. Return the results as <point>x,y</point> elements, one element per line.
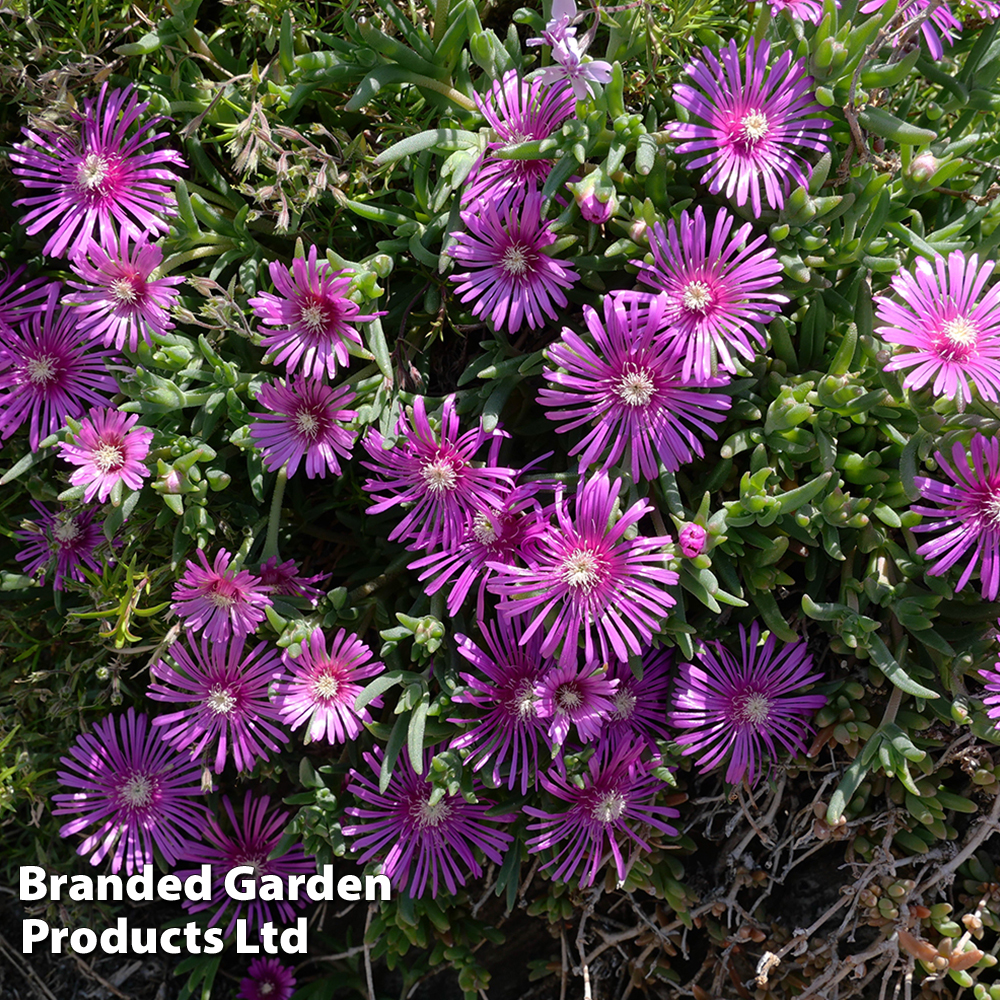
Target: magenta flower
<point>252,842</point>
<point>221,600</point>
<point>510,724</point>
<point>118,299</point>
<point>592,579</point>
<point>225,698</point>
<point>968,514</point>
<point>756,117</point>
<point>267,979</point>
<point>572,66</point>
<point>436,476</point>
<point>506,534</point>
<point>318,316</point>
<point>639,707</point>
<point>324,686</point>
<point>617,799</point>
<point>561,24</point>
<point>518,112</point>
<point>629,393</point>
<point>69,540</point>
<point>745,708</point>
<point>102,179</point>
<point>415,840</point>
<point>47,374</point>
<point>713,289</point>
<point>940,24</point>
<point>306,422</point>
<point>109,449</point>
<point>691,540</point>
<point>132,792</point>
<point>510,277</point>
<point>284,580</point>
<point>955,339</point>
<point>582,698</point>
<point>20,299</point>
<point>991,678</point>
<point>804,10</point>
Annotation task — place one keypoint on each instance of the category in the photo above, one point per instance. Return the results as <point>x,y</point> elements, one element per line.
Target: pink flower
<point>118,300</point>
<point>68,539</point>
<point>306,422</point>
<point>691,540</point>
<point>100,179</point>
<point>317,315</point>
<point>581,698</point>
<point>109,449</point>
<point>223,601</point>
<point>267,979</point>
<point>284,579</point>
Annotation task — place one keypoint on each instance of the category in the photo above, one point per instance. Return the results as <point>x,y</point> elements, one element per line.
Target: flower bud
<point>595,195</point>
<point>692,540</point>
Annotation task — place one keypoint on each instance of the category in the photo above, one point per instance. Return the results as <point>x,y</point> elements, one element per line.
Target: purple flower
<point>954,338</point>
<point>132,792</point>
<point>629,393</point>
<point>991,678</point>
<point>221,600</point>
<point>617,798</point>
<point>510,724</point>
<point>639,707</point>
<point>582,698</point>
<point>510,277</point>
<point>253,839</point>
<point>109,449</point>
<point>691,540</point>
<point>714,290</point>
<point>745,708</point>
<point>68,539</point>
<point>755,120</point>
<point>968,514</point>
<point>323,687</point>
<point>518,112</point>
<point>436,476</point>
<point>564,16</point>
<point>804,10</point>
<point>225,698</point>
<point>306,422</point>
<point>20,299</point>
<point>592,579</point>
<point>572,67</point>
<point>47,374</point>
<point>118,300</point>
<point>102,179</point>
<point>940,23</point>
<point>318,316</point>
<point>284,580</point>
<point>416,840</point>
<point>506,534</point>
<point>267,979</point>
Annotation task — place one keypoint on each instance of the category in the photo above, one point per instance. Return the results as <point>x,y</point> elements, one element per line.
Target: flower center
<point>306,424</point>
<point>991,507</point>
<point>43,369</point>
<point>581,569</point>
<point>568,696</point>
<point>523,700</point>
<point>960,332</point>
<point>440,475</point>
<point>516,259</point>
<point>427,815</point>
<point>137,790</point>
<point>313,316</point>
<point>66,532</point>
<point>608,807</point>
<point>482,529</point>
<point>109,457</point>
<point>635,387</point>
<point>265,989</point>
<point>753,126</point>
<point>91,173</point>
<point>220,700</point>
<point>624,702</point>
<point>221,594</point>
<point>697,296</point>
<point>327,686</point>
<point>125,290</point>
<point>255,861</point>
<point>755,709</point>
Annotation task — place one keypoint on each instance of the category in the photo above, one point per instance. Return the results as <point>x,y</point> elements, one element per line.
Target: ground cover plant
<point>547,456</point>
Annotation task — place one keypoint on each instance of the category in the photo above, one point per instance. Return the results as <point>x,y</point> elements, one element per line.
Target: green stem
<point>440,20</point>
<point>763,20</point>
<point>174,261</point>
<point>271,543</point>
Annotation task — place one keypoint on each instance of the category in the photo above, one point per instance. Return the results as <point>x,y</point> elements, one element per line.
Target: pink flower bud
<point>692,540</point>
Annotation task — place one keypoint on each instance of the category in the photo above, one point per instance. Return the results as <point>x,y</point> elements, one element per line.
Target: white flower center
<point>609,807</point>
<point>960,332</point>
<point>43,369</point>
<point>440,476</point>
<point>306,424</point>
<point>66,532</point>
<point>755,709</point>
<point>753,126</point>
<point>482,529</point>
<point>516,259</point>
<point>581,569</point>
<point>257,863</point>
<point>624,702</point>
<point>697,296</point>
<point>91,173</point>
<point>327,685</point>
<point>635,387</point>
<point>221,594</point>
<point>220,701</point>
<point>137,790</point>
<point>430,815</point>
<point>109,457</point>
<point>265,989</point>
<point>523,701</point>
<point>313,316</point>
<point>991,506</point>
<point>124,290</point>
<point>568,696</point>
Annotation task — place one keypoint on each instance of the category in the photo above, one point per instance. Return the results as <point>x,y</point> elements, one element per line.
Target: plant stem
<point>271,543</point>
<point>440,20</point>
